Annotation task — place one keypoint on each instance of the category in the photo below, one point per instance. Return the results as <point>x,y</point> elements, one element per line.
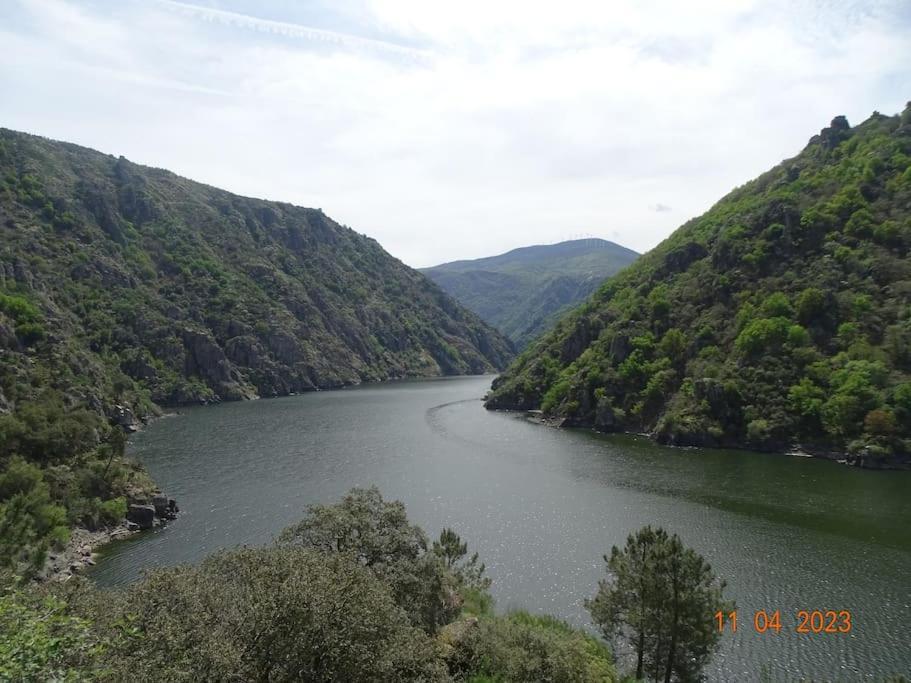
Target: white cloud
<point>456,130</point>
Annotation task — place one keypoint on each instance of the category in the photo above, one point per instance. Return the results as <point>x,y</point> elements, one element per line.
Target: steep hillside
<point>781,317</point>
<point>524,291</point>
<point>124,287</point>
<point>143,284</point>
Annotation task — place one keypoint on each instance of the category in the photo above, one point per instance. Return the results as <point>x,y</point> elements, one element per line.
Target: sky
<point>460,129</point>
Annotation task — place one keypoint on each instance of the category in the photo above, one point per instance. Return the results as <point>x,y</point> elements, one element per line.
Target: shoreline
<point>83,546</point>
<point>796,451</point>
<point>81,551</point>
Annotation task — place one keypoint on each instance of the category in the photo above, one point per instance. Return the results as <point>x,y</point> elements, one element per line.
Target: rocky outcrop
<point>142,516</point>
<point>152,513</point>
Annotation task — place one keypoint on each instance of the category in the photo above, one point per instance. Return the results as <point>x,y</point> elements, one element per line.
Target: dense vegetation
<point>780,317</point>
<point>352,593</point>
<point>525,291</point>
<point>123,288</point>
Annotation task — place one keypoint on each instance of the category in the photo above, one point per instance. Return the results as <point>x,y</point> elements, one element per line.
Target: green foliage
<point>763,335</point>
<point>776,305</point>
<point>315,606</point>
<point>378,535</point>
<point>125,287</point>
<point>30,522</point>
<point>39,641</point>
<point>810,305</point>
<point>760,307</point>
<point>45,431</point>
<point>659,600</point>
<point>282,613</point>
<point>526,647</point>
<point>20,309</point>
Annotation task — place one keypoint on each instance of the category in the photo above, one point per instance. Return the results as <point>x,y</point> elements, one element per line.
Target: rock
<point>142,515</point>
<point>160,503</point>
<point>132,526</point>
<point>122,416</point>
<point>452,635</point>
<point>172,506</point>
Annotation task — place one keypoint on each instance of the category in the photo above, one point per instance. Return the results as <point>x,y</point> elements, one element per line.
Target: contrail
<point>290,30</point>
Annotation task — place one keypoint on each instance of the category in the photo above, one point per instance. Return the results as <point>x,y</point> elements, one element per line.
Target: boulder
<point>122,416</point>
<point>160,503</point>
<point>142,515</point>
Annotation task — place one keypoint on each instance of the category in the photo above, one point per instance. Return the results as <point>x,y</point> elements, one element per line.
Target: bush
<point>113,511</point>
<point>763,335</point>
<point>39,641</point>
<point>281,613</point>
<point>525,647</point>
<point>759,432</point>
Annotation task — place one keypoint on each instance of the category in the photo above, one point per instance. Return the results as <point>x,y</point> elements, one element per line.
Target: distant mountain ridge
<point>523,291</point>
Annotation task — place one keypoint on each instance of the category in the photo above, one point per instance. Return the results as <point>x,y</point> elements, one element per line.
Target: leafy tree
<point>281,613</point>
<point>377,534</point>
<point>810,305</point>
<point>659,599</point>
<point>762,335</point>
<point>777,305</point>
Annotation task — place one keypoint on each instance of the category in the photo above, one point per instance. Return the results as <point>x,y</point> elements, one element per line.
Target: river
<point>542,506</point>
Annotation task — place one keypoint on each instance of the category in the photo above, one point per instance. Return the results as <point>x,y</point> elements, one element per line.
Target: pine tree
<point>659,599</point>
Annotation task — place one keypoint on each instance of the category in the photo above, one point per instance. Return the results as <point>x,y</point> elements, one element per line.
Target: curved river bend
<point>542,506</point>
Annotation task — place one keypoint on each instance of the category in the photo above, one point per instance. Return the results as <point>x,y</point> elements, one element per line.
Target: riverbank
<point>80,551</point>
<point>798,450</point>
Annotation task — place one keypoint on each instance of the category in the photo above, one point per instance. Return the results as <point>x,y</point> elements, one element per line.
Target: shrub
<point>39,641</point>
<point>526,647</point>
<point>880,423</point>
<point>777,305</point>
<point>762,335</point>
<point>113,511</point>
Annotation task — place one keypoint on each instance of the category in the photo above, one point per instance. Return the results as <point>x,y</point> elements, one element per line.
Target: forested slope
<point>780,317</point>
<point>124,287</point>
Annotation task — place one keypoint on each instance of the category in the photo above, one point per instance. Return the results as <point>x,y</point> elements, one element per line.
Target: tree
<point>450,547</point>
<point>468,573</point>
<point>280,613</point>
<point>378,535</point>
<point>660,599</point>
<point>810,305</point>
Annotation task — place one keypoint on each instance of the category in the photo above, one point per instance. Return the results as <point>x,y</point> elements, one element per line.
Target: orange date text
<point>805,621</point>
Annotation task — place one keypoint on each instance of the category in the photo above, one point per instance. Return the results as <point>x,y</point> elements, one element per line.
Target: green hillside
<point>524,291</point>
<point>780,318</point>
<point>124,287</point>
